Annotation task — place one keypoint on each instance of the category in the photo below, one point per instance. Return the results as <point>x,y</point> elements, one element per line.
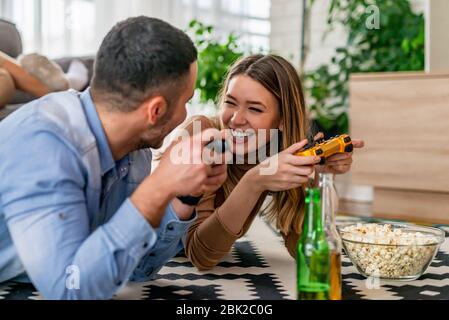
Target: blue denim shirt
<point>66,221</point>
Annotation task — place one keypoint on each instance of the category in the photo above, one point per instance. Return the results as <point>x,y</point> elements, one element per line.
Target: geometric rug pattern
<point>260,268</point>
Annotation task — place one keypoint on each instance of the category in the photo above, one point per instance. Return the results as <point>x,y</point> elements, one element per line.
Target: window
<point>59,28</point>
<point>55,28</point>
<point>248,18</point>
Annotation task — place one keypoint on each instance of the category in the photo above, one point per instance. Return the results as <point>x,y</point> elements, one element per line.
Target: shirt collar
<point>106,160</point>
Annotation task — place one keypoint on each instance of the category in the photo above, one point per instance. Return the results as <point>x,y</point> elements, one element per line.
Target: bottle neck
<point>313,219</point>
<point>327,198</point>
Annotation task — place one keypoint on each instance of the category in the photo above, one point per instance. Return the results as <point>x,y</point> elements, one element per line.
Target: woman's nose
<point>238,118</point>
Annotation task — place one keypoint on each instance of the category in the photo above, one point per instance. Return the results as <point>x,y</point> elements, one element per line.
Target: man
<point>80,213</point>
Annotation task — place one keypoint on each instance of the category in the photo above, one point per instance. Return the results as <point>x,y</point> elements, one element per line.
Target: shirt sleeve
<point>171,235</point>
<point>43,198</point>
<point>208,240</point>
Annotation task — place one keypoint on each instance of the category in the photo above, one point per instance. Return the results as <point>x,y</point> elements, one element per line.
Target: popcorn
<point>389,252</point>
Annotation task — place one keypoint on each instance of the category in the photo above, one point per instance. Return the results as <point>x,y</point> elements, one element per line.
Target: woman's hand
<point>288,171</point>
<point>338,163</point>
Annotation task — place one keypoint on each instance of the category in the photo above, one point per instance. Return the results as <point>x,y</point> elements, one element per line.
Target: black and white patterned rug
<point>259,267</point>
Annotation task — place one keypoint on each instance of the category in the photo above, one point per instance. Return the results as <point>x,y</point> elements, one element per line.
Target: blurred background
<point>325,39</point>
<point>377,69</point>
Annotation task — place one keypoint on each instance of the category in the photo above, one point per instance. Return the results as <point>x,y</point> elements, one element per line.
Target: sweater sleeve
<point>208,240</point>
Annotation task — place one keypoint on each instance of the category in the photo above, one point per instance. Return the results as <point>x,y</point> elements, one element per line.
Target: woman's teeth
<point>241,133</point>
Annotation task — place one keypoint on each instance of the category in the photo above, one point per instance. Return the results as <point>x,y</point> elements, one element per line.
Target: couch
<point>11,44</point>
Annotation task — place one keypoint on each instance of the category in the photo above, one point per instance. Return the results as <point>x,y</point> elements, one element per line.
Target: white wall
<point>437,35</point>
<point>285,38</point>
<point>286,26</point>
<point>322,48</point>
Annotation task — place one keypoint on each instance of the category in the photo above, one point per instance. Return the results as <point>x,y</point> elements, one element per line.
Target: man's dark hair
<point>139,58</point>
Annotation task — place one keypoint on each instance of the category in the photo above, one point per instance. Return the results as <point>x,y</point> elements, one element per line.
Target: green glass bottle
<point>313,260</point>
<point>329,205</point>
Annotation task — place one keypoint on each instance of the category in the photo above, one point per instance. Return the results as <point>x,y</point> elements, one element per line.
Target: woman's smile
<point>240,136</point>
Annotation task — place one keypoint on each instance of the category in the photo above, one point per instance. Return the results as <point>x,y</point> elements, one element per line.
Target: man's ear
<point>155,109</point>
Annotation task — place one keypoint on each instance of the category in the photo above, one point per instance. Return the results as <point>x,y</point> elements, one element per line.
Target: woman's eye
<point>255,109</point>
<point>230,103</point>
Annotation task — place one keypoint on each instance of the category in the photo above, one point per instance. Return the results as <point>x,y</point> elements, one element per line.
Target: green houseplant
<point>214,59</point>
<point>396,45</point>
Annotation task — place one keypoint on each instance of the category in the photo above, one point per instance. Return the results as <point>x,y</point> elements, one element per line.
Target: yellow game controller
<point>325,149</point>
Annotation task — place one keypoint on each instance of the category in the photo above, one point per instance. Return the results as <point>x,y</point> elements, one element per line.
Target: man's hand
<point>181,172</point>
<point>192,169</point>
<point>216,176</point>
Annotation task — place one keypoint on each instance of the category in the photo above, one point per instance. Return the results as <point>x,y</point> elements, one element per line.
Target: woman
<point>261,92</point>
<point>37,75</point>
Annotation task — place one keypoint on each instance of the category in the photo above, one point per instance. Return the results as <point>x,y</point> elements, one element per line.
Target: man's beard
<point>156,136</point>
<point>145,144</point>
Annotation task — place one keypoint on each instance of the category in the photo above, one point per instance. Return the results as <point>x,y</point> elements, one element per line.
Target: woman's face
<point>249,110</point>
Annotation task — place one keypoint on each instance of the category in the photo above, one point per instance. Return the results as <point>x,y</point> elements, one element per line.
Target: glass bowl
<point>391,251</point>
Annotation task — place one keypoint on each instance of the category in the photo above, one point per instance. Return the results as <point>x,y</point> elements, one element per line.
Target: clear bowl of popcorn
<point>391,251</point>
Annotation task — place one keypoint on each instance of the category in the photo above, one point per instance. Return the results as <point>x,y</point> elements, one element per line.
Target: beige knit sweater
<point>208,239</point>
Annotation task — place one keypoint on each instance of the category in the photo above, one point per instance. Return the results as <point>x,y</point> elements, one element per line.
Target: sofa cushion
<point>10,39</point>
<point>88,61</point>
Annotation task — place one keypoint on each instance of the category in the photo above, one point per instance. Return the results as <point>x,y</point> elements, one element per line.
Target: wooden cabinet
<point>404,120</point>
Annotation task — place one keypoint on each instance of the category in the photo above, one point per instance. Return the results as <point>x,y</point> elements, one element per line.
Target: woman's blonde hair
<point>280,78</point>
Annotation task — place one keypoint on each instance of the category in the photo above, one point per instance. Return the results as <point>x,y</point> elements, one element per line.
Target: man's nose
<point>238,118</point>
